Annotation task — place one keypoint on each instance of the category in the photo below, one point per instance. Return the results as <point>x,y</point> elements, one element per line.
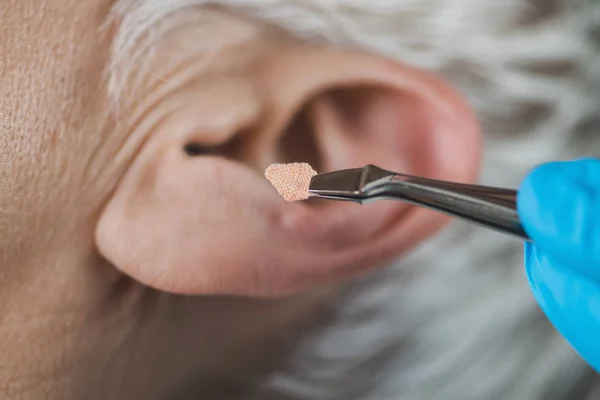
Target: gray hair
<point>461,326</point>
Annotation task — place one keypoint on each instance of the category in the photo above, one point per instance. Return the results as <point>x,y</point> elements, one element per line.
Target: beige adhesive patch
<point>291,180</point>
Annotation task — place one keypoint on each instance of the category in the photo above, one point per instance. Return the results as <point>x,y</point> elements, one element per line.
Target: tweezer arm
<point>493,208</point>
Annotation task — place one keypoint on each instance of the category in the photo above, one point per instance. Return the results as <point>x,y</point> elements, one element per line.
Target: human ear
<point>194,215</point>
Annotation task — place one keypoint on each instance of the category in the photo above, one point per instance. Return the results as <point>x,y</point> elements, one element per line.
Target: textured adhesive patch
<point>291,180</point>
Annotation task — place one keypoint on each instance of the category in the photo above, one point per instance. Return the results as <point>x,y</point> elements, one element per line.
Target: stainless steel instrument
<point>490,207</point>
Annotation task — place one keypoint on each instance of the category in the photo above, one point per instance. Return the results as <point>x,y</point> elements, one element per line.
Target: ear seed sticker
<point>291,180</point>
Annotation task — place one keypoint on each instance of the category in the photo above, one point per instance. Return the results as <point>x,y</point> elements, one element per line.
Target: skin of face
<point>132,269</point>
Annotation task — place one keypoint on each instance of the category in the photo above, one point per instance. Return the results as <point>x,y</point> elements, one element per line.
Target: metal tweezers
<point>490,207</point>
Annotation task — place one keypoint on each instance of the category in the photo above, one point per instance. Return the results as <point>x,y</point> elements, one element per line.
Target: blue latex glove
<point>559,204</point>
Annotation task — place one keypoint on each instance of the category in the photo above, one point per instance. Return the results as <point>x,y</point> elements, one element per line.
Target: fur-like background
<point>455,319</point>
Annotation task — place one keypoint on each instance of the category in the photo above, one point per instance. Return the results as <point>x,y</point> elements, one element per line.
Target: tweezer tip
<point>347,184</point>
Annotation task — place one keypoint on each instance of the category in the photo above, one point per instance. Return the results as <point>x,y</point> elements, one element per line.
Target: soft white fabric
<point>455,319</point>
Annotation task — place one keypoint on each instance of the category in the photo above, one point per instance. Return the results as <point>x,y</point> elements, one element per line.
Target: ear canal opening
<point>195,149</point>
<point>232,148</point>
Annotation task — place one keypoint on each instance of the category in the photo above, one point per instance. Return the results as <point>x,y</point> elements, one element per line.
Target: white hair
<point>455,319</point>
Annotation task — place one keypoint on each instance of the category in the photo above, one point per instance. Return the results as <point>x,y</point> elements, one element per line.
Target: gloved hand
<point>559,204</point>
